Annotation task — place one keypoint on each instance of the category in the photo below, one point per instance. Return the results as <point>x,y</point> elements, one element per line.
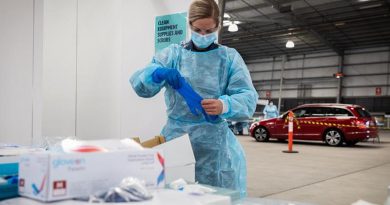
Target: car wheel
<point>261,134</point>
<point>333,137</point>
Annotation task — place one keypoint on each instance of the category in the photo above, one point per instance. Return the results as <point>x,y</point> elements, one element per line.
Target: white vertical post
<point>284,57</point>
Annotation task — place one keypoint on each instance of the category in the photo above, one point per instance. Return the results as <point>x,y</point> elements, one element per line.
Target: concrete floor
<point>319,174</point>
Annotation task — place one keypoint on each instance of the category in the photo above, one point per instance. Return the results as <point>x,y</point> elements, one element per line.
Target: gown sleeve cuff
<point>225,105</point>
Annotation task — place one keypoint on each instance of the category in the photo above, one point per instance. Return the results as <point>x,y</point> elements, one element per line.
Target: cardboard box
<point>56,176</point>
<point>178,154</point>
<point>151,142</point>
<point>179,159</point>
<point>186,172</point>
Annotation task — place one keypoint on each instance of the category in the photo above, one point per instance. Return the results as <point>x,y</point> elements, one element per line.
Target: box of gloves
<point>179,157</point>
<point>55,176</point>
<point>8,176</point>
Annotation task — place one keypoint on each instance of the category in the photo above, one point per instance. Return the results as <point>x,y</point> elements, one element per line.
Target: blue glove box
<point>8,168</point>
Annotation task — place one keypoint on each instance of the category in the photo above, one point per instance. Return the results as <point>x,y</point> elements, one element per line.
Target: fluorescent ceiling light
<point>233,27</point>
<point>370,6</point>
<point>226,23</point>
<point>339,24</point>
<point>290,44</point>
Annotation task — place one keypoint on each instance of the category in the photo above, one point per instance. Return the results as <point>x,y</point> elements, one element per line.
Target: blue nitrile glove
<point>171,75</point>
<point>12,179</point>
<point>193,100</point>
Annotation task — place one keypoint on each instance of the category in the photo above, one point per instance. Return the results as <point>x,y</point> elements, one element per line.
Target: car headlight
<point>253,125</point>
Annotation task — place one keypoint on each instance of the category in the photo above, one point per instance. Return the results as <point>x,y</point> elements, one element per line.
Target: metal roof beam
<point>300,22</point>
<point>269,55</point>
<point>257,6</point>
<point>261,19</point>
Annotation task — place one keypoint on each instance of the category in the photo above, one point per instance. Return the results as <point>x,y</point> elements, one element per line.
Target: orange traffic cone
<point>290,133</point>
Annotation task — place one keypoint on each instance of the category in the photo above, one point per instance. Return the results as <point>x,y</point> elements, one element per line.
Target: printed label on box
<point>59,188</point>
<point>21,185</point>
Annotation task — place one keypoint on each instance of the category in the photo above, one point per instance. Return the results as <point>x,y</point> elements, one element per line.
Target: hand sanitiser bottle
<point>387,202</point>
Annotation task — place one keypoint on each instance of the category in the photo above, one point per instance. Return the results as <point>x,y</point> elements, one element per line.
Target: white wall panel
<point>324,93</point>
<point>285,94</point>
<point>37,74</point>
<point>323,83</point>
<point>59,68</point>
<point>263,66</point>
<point>366,57</point>
<point>99,48</point>
<point>365,69</point>
<point>16,71</point>
<point>277,74</point>
<point>365,50</point>
<point>352,92</point>
<point>264,87</point>
<point>319,72</point>
<point>366,80</point>
<point>260,66</point>
<point>294,64</point>
<point>262,76</point>
<point>321,61</point>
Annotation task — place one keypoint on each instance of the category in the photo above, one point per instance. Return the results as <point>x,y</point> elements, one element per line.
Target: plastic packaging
<point>104,145</point>
<point>53,144</point>
<point>14,149</point>
<point>73,145</point>
<point>195,189</point>
<point>178,184</point>
<point>130,189</point>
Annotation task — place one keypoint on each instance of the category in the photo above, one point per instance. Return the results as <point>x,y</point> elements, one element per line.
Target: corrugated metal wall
<point>310,78</point>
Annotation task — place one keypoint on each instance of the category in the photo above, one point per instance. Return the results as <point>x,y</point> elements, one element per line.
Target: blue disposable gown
<point>219,74</point>
<point>270,111</point>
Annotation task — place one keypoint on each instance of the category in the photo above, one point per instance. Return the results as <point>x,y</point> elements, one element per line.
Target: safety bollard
<point>290,133</point>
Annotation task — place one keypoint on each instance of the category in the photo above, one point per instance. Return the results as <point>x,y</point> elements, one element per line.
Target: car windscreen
<point>362,112</point>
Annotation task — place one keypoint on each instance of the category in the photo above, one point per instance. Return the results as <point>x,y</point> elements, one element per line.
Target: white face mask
<point>271,103</point>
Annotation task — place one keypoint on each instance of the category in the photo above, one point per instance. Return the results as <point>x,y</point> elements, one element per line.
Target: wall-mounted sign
<point>268,94</point>
<point>170,29</point>
<point>338,75</point>
<point>378,91</point>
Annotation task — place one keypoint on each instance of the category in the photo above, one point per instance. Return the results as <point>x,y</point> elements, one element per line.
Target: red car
<point>333,123</point>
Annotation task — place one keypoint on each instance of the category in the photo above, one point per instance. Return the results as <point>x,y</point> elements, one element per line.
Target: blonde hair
<point>201,9</point>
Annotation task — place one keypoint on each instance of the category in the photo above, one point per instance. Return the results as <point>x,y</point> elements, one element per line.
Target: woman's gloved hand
<point>212,106</point>
<point>171,75</point>
<point>194,101</point>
